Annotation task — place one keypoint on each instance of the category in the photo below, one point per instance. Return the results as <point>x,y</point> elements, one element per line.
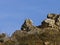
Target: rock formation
<point>48,33</point>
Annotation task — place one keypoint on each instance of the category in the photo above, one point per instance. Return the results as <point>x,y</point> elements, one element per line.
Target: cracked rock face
<point>48,33</point>
<point>53,20</point>
<point>28,25</point>
<point>58,21</point>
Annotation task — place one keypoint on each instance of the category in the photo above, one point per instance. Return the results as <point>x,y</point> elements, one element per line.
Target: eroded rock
<point>48,33</point>
<point>27,25</point>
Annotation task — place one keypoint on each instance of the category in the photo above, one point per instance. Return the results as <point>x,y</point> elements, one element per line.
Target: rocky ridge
<point>48,33</point>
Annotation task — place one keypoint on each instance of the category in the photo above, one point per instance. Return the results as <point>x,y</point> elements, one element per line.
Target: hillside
<point>48,33</point>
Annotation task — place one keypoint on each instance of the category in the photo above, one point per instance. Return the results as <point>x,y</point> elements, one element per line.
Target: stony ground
<point>48,33</point>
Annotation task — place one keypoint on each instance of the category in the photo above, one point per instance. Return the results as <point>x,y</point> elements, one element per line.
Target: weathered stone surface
<point>58,21</point>
<point>52,16</point>
<point>28,25</point>
<point>51,22</point>
<point>48,33</point>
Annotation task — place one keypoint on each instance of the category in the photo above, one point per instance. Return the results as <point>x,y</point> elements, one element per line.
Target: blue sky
<point>14,12</point>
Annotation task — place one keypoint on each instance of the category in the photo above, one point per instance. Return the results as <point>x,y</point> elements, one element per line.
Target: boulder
<point>48,23</point>
<point>52,16</point>
<point>27,25</point>
<point>58,21</point>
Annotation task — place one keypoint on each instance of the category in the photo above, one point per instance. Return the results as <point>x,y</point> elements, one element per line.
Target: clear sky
<point>14,12</point>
